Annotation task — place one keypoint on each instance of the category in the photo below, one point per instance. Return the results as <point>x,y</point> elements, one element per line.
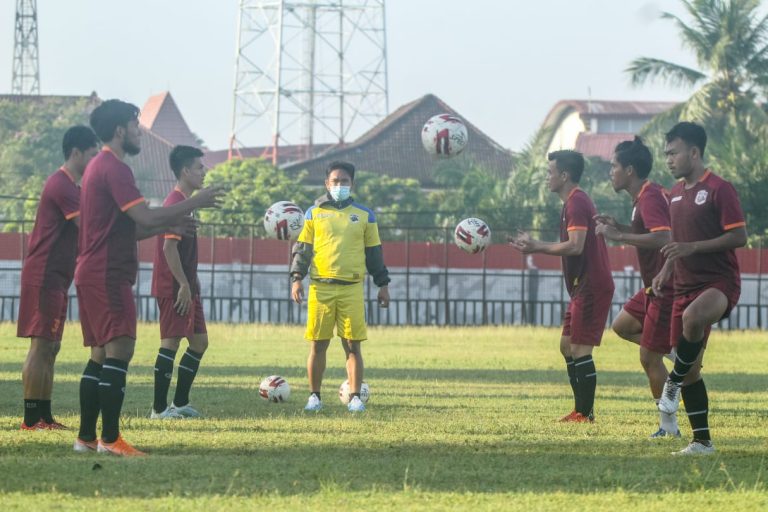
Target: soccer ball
<point>365,392</point>
<point>284,220</point>
<point>472,235</point>
<point>444,136</point>
<point>275,389</point>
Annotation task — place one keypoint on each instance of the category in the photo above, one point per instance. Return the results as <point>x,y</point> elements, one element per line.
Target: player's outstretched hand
<point>383,297</point>
<point>210,197</point>
<point>605,219</point>
<point>675,250</point>
<point>523,242</point>
<point>297,292</point>
<point>187,226</point>
<point>607,231</point>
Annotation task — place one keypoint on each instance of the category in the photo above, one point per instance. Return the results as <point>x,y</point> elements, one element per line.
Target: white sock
<point>668,421</point>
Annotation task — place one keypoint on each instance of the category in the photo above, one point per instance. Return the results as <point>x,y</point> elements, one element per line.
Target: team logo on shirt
<point>701,197</point>
<point>354,218</point>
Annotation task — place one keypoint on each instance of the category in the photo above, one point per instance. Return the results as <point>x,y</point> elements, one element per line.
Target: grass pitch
<point>459,419</point>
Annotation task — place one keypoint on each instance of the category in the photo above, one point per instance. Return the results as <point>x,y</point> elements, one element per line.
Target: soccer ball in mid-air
<point>284,220</point>
<point>472,235</point>
<point>275,389</point>
<point>444,135</point>
<point>365,392</point>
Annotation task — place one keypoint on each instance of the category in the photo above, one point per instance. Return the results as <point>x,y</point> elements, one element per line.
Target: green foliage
<point>30,149</point>
<point>459,419</point>
<point>252,185</point>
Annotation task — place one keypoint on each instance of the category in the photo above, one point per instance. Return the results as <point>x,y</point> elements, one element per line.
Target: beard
<point>130,148</point>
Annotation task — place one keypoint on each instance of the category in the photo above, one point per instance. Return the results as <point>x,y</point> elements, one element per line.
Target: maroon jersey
<point>649,215</point>
<point>108,250</point>
<point>705,211</point>
<point>50,262</point>
<point>164,285</point>
<point>590,270</point>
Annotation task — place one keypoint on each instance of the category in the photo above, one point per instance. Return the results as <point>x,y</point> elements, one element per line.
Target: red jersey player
<point>47,274</point>
<point>177,289</point>
<point>707,226</point>
<point>587,275</point>
<point>645,318</point>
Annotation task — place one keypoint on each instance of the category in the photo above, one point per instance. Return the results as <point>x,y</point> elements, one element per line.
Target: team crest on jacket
<point>353,217</point>
<point>701,197</point>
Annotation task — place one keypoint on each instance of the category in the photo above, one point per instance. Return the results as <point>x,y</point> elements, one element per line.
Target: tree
<point>252,185</point>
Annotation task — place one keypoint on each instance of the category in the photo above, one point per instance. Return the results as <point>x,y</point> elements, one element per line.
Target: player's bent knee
<point>199,343</point>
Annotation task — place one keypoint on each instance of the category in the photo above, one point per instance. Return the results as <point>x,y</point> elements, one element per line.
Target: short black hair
<point>636,154</point>
<point>690,133</point>
<point>181,157</point>
<point>109,115</point>
<point>568,161</point>
<point>344,166</point>
<point>80,137</point>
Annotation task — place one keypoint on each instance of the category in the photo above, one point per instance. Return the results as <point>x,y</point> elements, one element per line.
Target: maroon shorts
<point>42,313</point>
<point>173,325</point>
<point>655,315</point>
<point>732,291</point>
<point>586,316</point>
<point>106,313</point>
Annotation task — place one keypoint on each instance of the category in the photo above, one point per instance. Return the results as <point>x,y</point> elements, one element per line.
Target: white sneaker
<point>697,448</point>
<point>168,414</point>
<point>661,433</point>
<point>356,405</point>
<point>314,404</point>
<point>81,446</point>
<point>670,397</point>
<point>186,411</point>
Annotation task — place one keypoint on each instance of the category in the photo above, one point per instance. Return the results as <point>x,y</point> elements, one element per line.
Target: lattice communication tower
<point>26,63</point>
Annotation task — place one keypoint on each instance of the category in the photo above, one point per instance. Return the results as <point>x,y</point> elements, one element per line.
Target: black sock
<point>572,379</point>
<point>586,381</point>
<point>187,371</point>
<point>31,412</point>
<point>687,353</point>
<point>697,407</point>
<point>317,394</point>
<point>45,411</point>
<point>89,401</point>
<point>163,375</point>
<point>111,395</point>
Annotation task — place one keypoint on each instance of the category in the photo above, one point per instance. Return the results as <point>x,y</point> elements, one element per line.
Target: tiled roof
<point>286,154</point>
<point>151,167</point>
<point>600,144</point>
<point>393,147</point>
<point>161,115</point>
<point>599,108</point>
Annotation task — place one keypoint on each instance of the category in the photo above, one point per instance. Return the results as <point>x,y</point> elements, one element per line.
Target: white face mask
<point>340,193</point>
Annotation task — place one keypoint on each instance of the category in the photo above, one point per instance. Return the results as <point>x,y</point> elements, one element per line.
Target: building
<point>594,127</point>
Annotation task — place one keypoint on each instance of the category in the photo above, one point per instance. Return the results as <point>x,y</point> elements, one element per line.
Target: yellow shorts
<point>339,305</point>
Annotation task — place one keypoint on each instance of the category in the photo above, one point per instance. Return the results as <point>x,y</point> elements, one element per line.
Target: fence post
<point>445,277</point>
<point>408,276</point>
<point>213,272</point>
<point>760,284</point>
<point>485,304</point>
<point>251,241</point>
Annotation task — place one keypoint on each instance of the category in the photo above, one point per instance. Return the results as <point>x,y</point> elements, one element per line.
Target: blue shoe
<point>663,433</point>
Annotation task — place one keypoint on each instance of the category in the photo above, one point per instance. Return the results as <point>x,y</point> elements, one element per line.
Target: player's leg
<point>628,324</point>
<point>37,379</point>
<point>315,369</point>
<point>188,367</point>
<point>586,379</point>
<point>321,319</point>
<point>354,357</point>
<point>565,350</point>
<point>350,324</point>
<point>166,356</point>
<point>90,406</point>
<point>654,346</point>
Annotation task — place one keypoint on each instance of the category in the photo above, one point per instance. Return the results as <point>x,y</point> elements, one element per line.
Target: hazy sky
<point>509,61</point>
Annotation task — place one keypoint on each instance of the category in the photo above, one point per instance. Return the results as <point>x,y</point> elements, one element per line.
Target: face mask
<point>339,193</point>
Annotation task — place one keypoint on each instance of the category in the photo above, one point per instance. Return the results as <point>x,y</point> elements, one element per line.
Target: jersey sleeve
<point>654,209</point>
<point>577,215</point>
<point>372,231</point>
<point>307,234</point>
<point>67,200</point>
<point>727,202</point>
<point>122,187</point>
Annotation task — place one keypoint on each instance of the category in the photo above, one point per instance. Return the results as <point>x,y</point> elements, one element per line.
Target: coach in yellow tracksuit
<point>339,242</point>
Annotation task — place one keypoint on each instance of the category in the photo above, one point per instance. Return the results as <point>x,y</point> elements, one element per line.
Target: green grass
<point>458,419</point>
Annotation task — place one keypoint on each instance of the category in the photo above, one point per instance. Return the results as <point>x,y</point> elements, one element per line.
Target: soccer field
<point>459,418</point>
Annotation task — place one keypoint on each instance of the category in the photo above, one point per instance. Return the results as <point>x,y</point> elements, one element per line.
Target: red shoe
<point>37,426</point>
<point>568,417</point>
<point>580,418</point>
<point>54,425</point>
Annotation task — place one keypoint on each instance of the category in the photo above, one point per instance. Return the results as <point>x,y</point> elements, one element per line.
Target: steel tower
<point>307,72</point>
<point>26,65</point>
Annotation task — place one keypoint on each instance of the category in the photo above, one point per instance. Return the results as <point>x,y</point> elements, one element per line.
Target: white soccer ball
<point>284,220</point>
<point>365,392</point>
<point>444,136</point>
<point>275,389</point>
<point>472,235</point>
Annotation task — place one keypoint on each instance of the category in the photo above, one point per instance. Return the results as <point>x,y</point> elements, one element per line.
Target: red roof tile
<point>600,144</point>
<point>162,116</point>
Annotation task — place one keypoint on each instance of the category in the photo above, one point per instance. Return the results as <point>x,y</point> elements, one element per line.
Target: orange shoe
<point>580,418</point>
<point>54,425</point>
<point>120,448</point>
<point>37,426</point>
<point>568,417</point>
<point>81,446</point>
